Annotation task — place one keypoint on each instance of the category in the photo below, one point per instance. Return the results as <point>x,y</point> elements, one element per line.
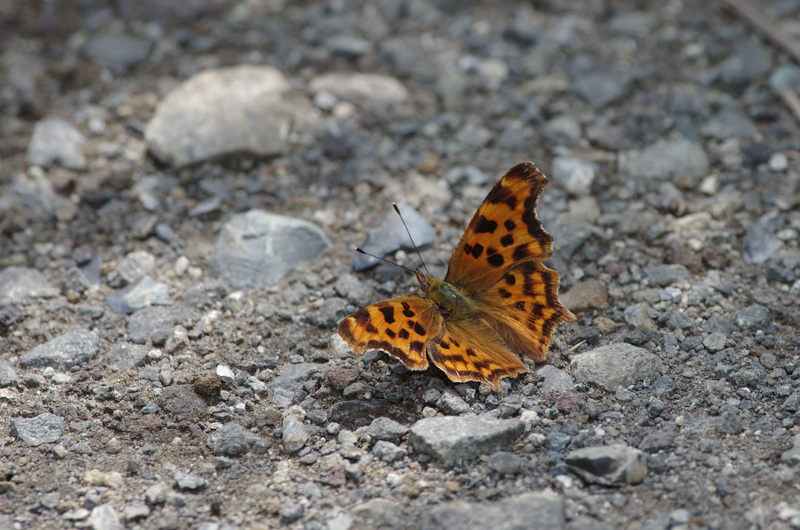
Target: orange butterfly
<point>496,302</point>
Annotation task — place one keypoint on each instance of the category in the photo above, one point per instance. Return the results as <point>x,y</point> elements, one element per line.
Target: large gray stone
<point>224,111</point>
<point>452,439</point>
<point>664,159</point>
<point>75,348</point>
<point>290,379</point>
<point>234,440</point>
<point>43,429</point>
<point>609,465</point>
<point>17,283</point>
<point>529,511</point>
<point>362,89</point>
<point>616,365</point>
<point>142,293</point>
<point>389,235</point>
<point>56,141</point>
<point>256,248</point>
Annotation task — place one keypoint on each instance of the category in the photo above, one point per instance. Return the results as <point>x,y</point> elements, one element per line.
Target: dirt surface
<point>148,381</point>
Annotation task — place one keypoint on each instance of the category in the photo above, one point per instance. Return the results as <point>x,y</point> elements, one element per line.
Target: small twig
<point>766,25</point>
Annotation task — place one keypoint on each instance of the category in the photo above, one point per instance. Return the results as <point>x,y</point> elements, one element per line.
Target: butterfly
<point>496,303</point>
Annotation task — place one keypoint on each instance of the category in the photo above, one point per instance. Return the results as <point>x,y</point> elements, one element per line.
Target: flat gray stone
<point>665,159</point>
<point>759,244</point>
<point>388,452</point>
<point>290,379</point>
<point>452,439</point>
<point>529,511</point>
<point>125,355</point>
<point>104,517</point>
<point>142,293</point>
<point>366,90</point>
<point>664,275</point>
<point>56,142</point>
<point>389,235</point>
<point>185,481</point>
<point>18,283</point>
<point>616,365</point>
<point>386,429</point>
<point>234,440</point>
<point>294,434</point>
<point>75,348</point>
<point>452,404</point>
<point>609,465</point>
<point>117,51</point>
<point>754,316</point>
<point>225,111</point>
<point>256,248</point>
<point>8,376</point>
<point>555,380</point>
<point>43,429</point>
<point>154,323</point>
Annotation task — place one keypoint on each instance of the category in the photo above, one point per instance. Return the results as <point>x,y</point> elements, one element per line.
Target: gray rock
<point>75,348</point>
<point>406,55</point>
<point>754,316</point>
<point>182,402</point>
<point>388,452</point>
<point>557,441</point>
<point>142,293</point>
<point>377,513</point>
<point>56,142</point>
<point>18,283</point>
<point>601,88</point>
<point>574,175</point>
<point>715,342</point>
<point>554,380</point>
<point>290,379</point>
<point>452,439</point>
<point>388,235</point>
<point>8,376</point>
<point>234,440</point>
<point>43,429</point>
<point>729,422</point>
<point>119,52</point>
<point>332,311</point>
<point>504,463</point>
<point>752,61</point>
<point>664,275</point>
<point>529,511</point>
<point>135,265</point>
<point>187,482</point>
<point>616,365</point>
<point>154,323</point>
<point>728,123</point>
<point>125,355</point>
<point>294,434</point>
<point>759,244</point>
<point>256,248</point>
<point>156,494</point>
<point>224,111</point>
<point>386,429</point>
<point>638,316</point>
<point>609,465</point>
<point>664,159</point>
<point>10,314</point>
<point>291,511</point>
<point>719,324</point>
<point>366,90</point>
<point>104,517</point>
<point>136,510</point>
<point>451,403</point>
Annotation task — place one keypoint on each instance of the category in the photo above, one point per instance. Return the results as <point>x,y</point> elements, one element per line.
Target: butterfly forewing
<point>402,327</point>
<point>503,232</point>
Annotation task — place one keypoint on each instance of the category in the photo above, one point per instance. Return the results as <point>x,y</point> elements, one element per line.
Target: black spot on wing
<point>503,293</point>
<point>520,252</point>
<point>496,260</point>
<point>388,314</point>
<point>403,334</point>
<point>419,330</point>
<point>416,346</point>
<point>520,305</point>
<point>371,328</point>
<point>407,310</point>
<point>507,240</point>
<point>390,333</point>
<point>485,226</point>
<point>477,250</point>
<point>510,279</point>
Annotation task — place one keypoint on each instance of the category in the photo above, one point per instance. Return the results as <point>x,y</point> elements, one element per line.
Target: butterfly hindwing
<point>473,353</point>
<point>504,230</point>
<point>402,327</point>
<point>523,307</point>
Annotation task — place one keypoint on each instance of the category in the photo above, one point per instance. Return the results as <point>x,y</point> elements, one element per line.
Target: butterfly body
<point>496,302</point>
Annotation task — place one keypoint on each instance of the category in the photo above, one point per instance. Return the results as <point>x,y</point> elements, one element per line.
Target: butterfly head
<point>424,280</point>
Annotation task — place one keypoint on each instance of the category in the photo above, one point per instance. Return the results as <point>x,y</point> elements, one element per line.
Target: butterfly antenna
<point>396,209</point>
<point>362,251</point>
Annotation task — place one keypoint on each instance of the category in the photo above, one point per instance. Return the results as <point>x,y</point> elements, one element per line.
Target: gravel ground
<point>180,188</point>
